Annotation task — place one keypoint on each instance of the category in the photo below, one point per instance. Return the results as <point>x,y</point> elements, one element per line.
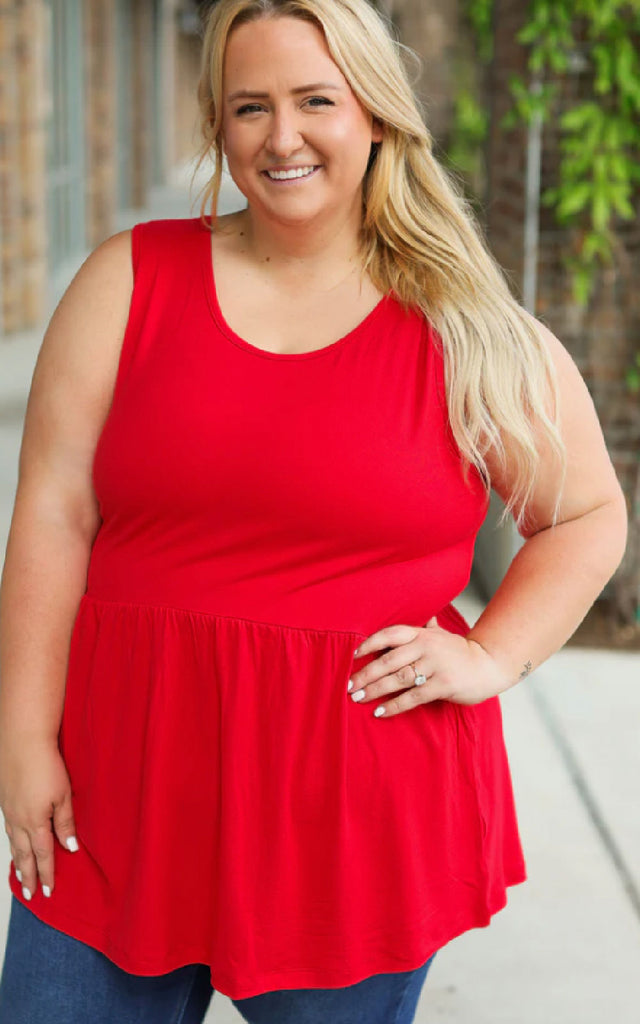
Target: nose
<point>284,133</point>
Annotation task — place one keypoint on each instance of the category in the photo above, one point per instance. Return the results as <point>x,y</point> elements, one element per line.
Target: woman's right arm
<point>53,526</point>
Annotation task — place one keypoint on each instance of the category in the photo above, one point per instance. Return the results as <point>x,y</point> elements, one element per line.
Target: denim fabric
<point>49,977</point>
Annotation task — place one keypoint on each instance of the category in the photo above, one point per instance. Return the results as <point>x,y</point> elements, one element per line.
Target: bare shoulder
<point>74,375</point>
<point>82,341</point>
<point>590,477</point>
<point>563,361</point>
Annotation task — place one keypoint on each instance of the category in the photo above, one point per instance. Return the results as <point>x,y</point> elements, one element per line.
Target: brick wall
<point>433,31</point>
<point>141,87</point>
<point>100,118</point>
<point>27,278</point>
<point>506,151</point>
<point>23,111</point>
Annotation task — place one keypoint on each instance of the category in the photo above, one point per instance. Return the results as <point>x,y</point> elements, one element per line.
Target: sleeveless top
<point>262,514</point>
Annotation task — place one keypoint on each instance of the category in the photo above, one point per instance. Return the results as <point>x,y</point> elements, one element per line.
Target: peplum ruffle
<point>218,762</point>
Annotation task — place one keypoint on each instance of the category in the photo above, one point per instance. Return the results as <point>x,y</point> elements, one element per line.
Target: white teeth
<point>299,172</point>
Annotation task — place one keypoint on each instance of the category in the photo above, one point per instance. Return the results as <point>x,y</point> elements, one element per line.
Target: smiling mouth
<point>290,180</point>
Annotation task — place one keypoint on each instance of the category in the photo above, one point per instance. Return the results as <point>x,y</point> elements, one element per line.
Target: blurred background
<point>535,108</point>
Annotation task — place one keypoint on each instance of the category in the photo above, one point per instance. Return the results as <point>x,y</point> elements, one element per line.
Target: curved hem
<point>82,931</point>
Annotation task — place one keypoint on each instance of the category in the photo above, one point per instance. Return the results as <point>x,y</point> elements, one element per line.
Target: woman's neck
<point>300,251</point>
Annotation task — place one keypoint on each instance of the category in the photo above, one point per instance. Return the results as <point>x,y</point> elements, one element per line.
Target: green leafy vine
<point>600,137</point>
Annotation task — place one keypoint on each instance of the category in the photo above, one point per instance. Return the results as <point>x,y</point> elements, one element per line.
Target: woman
<point>230,660</point>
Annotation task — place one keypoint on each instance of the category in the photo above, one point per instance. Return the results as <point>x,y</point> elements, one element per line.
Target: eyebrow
<point>249,93</point>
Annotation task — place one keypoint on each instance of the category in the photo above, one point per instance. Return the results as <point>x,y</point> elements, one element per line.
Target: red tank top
<point>262,514</point>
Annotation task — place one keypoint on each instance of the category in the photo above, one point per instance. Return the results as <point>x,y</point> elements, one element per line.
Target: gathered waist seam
<point>215,615</point>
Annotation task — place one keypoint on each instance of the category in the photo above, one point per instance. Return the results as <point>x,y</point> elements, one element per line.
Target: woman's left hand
<point>456,669</point>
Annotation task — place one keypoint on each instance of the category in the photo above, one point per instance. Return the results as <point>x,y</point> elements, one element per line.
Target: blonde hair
<point>419,238</point>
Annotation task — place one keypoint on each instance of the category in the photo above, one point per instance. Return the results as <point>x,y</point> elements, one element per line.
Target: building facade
<point>97,104</point>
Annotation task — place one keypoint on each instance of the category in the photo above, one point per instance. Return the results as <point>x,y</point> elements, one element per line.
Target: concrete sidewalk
<point>566,949</point>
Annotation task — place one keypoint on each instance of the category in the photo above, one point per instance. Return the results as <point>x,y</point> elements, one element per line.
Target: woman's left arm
<point>549,586</point>
<point>560,570</point>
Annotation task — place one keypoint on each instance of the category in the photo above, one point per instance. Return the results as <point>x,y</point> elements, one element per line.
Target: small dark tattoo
<point>526,670</point>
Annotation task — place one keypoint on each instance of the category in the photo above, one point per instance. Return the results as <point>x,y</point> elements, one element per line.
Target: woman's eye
<point>248,107</point>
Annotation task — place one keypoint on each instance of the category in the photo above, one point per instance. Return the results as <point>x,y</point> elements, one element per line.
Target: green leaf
<point>633,383</point>
<point>619,167</point>
<point>579,117</point>
<point>600,169</point>
<point>558,60</point>
<point>621,203</point>
<point>603,61</point>
<point>537,60</point>
<point>633,93</point>
<point>600,209</point>
<point>582,282</point>
<point>613,132</point>
<point>625,59</point>
<point>528,34</point>
<point>575,199</point>
<point>592,245</point>
<point>575,168</point>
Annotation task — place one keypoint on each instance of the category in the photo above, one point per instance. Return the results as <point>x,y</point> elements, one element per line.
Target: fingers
<point>32,850</point>
<point>394,666</point>
<point>451,665</point>
<point>397,669</point>
<point>409,699</point>
<point>405,700</point>
<point>64,824</point>
<point>32,855</point>
<point>390,636</point>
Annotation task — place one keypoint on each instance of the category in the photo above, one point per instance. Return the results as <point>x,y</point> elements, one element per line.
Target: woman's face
<point>306,116</point>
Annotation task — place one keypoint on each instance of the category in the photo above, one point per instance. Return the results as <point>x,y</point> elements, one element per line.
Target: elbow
<point>617,530</point>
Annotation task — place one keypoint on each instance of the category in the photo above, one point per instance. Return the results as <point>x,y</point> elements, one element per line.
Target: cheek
<point>240,152</point>
<point>236,137</point>
<point>351,141</point>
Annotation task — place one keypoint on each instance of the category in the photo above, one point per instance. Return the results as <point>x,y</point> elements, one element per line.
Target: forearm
<point>548,589</point>
<point>43,579</point>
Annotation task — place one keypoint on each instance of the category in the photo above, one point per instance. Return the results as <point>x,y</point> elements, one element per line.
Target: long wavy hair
<point>420,239</point>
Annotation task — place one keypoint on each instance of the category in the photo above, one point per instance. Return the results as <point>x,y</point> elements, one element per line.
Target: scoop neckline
<point>247,346</point>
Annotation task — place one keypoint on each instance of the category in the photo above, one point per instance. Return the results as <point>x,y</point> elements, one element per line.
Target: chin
<point>303,217</point>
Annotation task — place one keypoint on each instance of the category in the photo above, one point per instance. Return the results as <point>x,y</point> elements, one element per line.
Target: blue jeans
<point>49,977</point>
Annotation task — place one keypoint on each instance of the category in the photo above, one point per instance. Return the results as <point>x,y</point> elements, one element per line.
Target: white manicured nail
<point>378,712</point>
<point>46,890</point>
<point>358,695</point>
<point>26,893</point>
<point>19,874</point>
<point>72,844</point>
<point>350,686</point>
